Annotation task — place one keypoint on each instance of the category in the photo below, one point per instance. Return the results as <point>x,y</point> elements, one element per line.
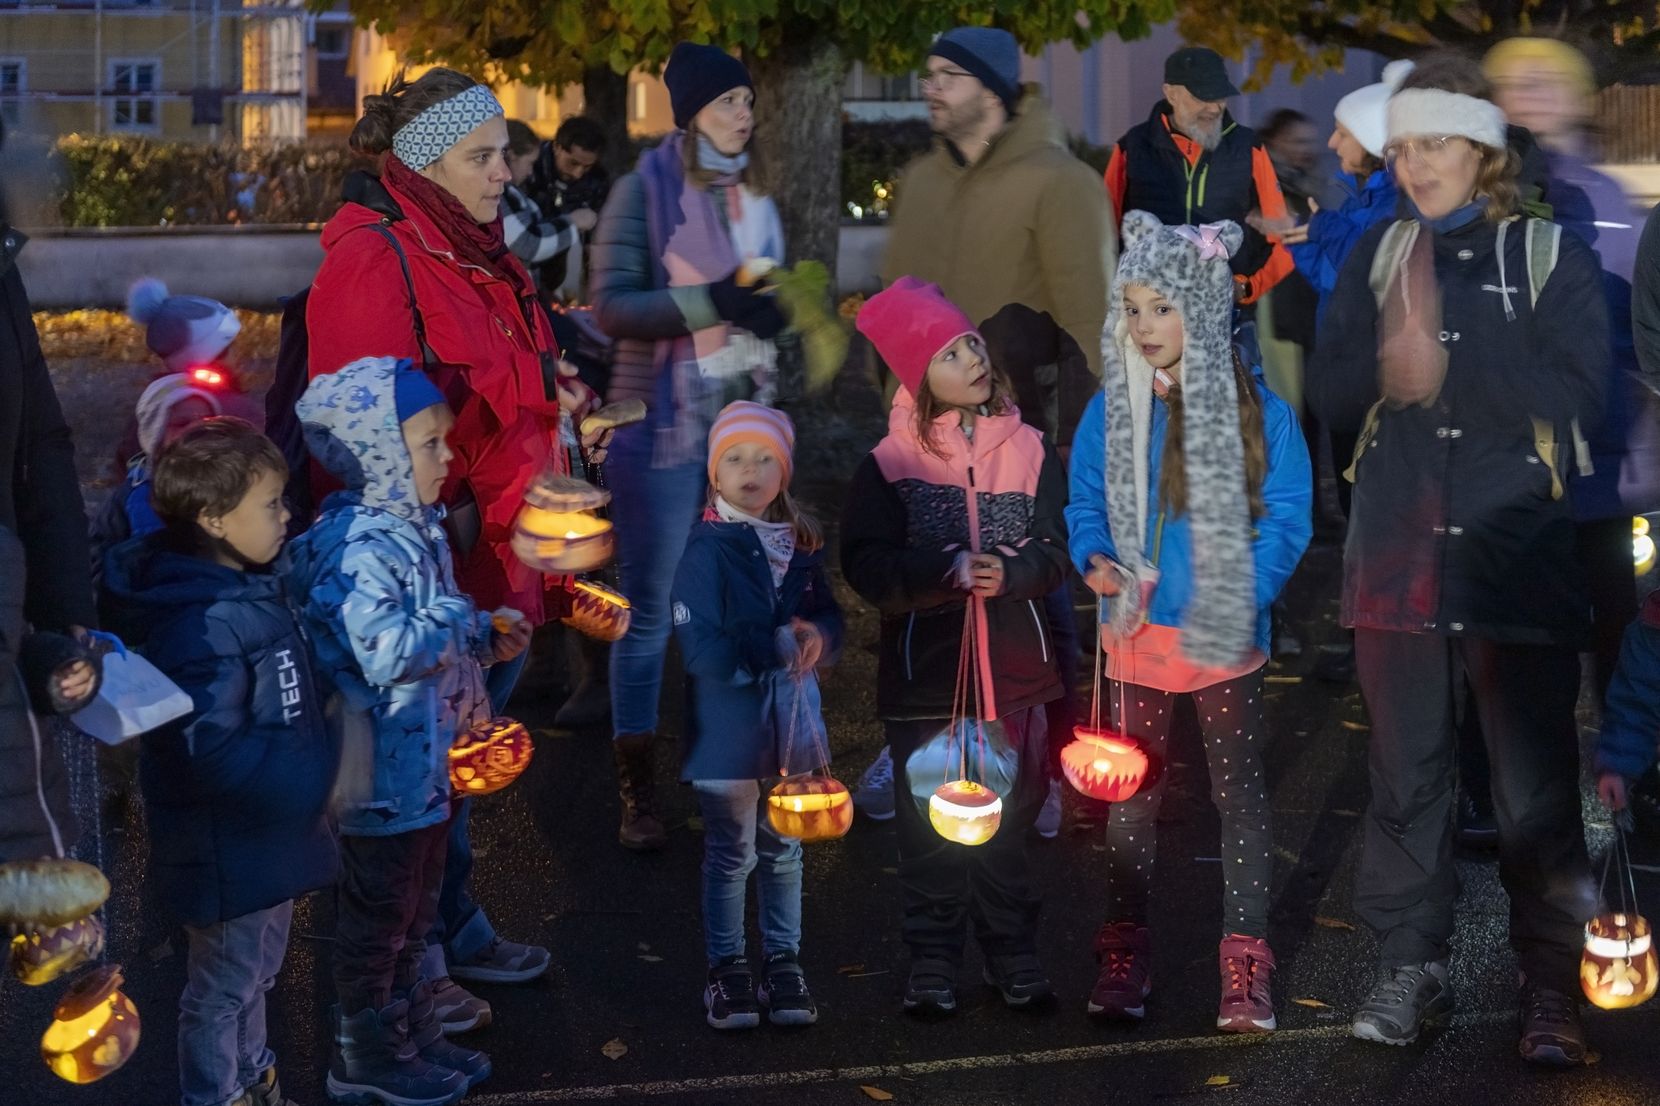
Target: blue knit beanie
<point>697,75</point>
<point>989,54</point>
<point>181,330</point>
<point>414,391</point>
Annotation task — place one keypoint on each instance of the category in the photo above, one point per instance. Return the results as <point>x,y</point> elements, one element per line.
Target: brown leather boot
<point>636,784</point>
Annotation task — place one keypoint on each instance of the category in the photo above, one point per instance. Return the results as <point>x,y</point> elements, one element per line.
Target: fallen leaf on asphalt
<point>1361,726</point>
<point>1332,923</point>
<point>890,871</point>
<point>1287,855</point>
<point>1219,1081</point>
<point>1346,812</point>
<point>650,959</point>
<point>1312,1003</point>
<point>614,1049</point>
<point>845,968</point>
<point>1283,679</point>
<point>643,947</point>
<point>695,824</point>
<point>876,1094</point>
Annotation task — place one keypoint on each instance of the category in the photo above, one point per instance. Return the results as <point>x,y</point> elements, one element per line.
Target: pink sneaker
<point>1247,993</point>
<point>1125,953</point>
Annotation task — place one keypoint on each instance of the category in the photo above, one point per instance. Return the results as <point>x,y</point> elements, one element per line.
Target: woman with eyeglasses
<point>1469,347</point>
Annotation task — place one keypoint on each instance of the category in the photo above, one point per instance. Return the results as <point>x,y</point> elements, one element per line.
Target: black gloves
<point>750,308</point>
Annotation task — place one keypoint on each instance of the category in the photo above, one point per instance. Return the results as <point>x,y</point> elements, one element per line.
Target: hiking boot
<point>932,987</point>
<point>1409,999</point>
<point>267,1092</point>
<point>458,1009</point>
<point>784,993</point>
<point>1247,994</point>
<point>1048,823</point>
<point>874,796</point>
<point>1125,952</point>
<point>503,962</point>
<point>1019,978</point>
<point>1551,1033</point>
<point>1477,828</point>
<point>637,786</point>
<point>426,1033</point>
<point>375,1061</point>
<point>729,999</point>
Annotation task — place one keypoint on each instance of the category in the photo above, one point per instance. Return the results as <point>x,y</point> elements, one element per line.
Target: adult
<point>539,240</point>
<point>1190,163</point>
<point>568,182</point>
<point>1463,367</point>
<point>476,326</point>
<point>689,339</point>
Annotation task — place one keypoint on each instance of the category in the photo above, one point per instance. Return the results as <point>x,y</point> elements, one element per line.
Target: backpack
<point>292,376</point>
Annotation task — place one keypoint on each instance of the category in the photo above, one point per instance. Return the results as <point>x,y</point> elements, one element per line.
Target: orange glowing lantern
<point>1103,764</point>
<point>598,611</point>
<point>965,812</point>
<point>489,757</point>
<point>559,529</point>
<point>1617,970</point>
<point>94,1029</point>
<point>812,808</point>
<point>41,956</point>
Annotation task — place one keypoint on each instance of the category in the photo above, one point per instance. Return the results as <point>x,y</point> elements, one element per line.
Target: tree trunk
<point>798,112</point>
<point>605,101</point>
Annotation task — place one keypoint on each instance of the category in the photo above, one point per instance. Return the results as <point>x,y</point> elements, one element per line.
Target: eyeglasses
<point>941,79</point>
<point>1432,147</point>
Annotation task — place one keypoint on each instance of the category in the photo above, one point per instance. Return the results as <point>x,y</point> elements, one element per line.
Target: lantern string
<point>1618,861</point>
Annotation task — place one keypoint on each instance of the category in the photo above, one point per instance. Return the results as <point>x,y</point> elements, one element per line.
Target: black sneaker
<point>1551,1031</point>
<point>931,988</point>
<point>729,999</point>
<point>1019,978</point>
<point>784,992</point>
<point>1477,828</point>
<point>1411,998</point>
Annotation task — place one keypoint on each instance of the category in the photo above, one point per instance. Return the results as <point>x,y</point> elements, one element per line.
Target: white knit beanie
<point>1364,112</point>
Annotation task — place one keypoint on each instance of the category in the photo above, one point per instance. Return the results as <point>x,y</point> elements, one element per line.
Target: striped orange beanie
<point>744,421</point>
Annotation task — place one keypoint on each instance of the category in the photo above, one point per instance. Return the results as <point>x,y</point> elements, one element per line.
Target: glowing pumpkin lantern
<point>1103,764</point>
<point>598,612</point>
<point>489,757</point>
<point>559,529</point>
<point>94,1029</point>
<point>965,812</point>
<point>812,808</point>
<point>1617,969</point>
<point>41,956</point>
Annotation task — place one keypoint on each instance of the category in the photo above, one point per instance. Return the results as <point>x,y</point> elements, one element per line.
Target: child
<point>236,793</point>
<point>402,647</point>
<point>1190,517</point>
<point>1626,747</point>
<point>956,514</point>
<point>754,615</point>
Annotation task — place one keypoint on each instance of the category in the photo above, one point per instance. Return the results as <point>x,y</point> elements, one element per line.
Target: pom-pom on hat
<point>181,330</point>
<point>909,322</point>
<point>743,421</point>
<point>1364,112</point>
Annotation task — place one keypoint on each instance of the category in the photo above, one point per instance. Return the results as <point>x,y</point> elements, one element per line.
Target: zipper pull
<point>971,476</point>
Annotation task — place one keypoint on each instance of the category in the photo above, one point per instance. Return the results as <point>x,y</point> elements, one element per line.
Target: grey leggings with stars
<point>1230,716</point>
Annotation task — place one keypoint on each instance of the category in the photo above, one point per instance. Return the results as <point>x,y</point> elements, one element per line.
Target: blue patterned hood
<point>350,420</point>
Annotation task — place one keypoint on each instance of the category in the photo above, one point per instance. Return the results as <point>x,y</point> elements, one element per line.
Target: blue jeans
<point>653,510</point>
<point>462,930</point>
<point>230,967</point>
<point>736,839</point>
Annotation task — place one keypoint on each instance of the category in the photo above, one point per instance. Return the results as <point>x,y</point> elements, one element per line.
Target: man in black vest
<point>1191,163</point>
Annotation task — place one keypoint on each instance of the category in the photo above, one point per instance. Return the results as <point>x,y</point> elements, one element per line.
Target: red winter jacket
<point>488,364</point>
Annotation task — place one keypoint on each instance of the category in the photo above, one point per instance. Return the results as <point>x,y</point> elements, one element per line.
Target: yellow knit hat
<point>1552,53</point>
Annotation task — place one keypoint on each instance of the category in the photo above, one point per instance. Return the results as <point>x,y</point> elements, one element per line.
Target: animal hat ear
<point>1138,226</point>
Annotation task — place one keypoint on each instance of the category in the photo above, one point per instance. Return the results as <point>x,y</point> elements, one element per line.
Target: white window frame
<point>11,104</point>
<point>153,96</point>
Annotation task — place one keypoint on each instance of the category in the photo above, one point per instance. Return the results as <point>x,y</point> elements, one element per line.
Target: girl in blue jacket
<point>754,615</point>
<point>1188,517</point>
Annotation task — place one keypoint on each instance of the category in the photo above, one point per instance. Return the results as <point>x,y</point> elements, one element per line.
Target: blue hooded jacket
<point>394,637</point>
<point>236,793</point>
<point>1631,710</point>
<point>1332,234</point>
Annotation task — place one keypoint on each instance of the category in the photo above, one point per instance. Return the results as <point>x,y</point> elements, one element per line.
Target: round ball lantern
<point>965,812</point>
<point>43,955</point>
<point>487,758</point>
<point>559,529</point>
<point>811,808</point>
<point>598,611</point>
<point>1103,764</point>
<point>94,1029</point>
<point>1617,969</point>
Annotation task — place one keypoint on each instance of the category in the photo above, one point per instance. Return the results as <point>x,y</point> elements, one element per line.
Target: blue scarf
<point>1453,220</point>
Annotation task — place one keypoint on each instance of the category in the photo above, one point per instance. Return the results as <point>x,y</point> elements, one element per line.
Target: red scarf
<point>475,243</point>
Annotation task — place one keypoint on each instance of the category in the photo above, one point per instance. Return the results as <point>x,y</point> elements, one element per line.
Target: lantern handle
<point>1618,861</point>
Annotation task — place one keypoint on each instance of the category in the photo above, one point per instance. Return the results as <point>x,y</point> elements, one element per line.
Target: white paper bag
<point>134,698</point>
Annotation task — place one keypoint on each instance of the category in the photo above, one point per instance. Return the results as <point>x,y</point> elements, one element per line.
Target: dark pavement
<point>624,930</point>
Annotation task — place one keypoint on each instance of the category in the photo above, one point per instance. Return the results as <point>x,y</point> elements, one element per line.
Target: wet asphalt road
<point>624,930</point>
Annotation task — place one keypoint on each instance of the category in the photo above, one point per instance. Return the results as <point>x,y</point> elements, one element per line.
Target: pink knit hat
<point>744,421</point>
<point>908,323</point>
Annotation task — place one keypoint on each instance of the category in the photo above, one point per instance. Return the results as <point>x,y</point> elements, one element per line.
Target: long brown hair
<point>809,535</point>
<point>1173,462</point>
<point>928,408</point>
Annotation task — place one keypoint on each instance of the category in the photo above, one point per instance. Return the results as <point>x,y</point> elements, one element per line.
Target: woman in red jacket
<point>429,225</point>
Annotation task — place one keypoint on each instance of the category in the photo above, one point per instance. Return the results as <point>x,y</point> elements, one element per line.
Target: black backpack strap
<point>428,358</point>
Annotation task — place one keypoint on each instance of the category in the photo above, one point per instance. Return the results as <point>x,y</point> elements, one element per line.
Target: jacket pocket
<point>1042,629</point>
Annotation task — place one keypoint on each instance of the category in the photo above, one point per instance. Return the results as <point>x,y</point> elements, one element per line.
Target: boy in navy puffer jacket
<point>1627,746</point>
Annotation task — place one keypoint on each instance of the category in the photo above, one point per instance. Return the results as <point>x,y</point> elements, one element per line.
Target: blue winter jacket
<point>1631,710</point>
<point>1332,234</point>
<point>1281,535</point>
<point>236,793</point>
<point>726,613</point>
<point>395,638</point>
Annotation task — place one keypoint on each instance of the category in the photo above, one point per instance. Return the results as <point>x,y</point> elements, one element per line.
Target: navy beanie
<point>413,391</point>
<point>697,75</point>
<point>989,54</point>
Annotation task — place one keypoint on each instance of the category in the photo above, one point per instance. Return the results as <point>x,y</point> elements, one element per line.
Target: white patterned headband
<point>425,138</point>
<point>1427,111</point>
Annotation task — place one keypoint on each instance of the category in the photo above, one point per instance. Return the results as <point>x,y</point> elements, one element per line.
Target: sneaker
<point>729,999</point>
<point>1477,828</point>
<point>1247,995</point>
<point>1125,952</point>
<point>931,989</point>
<point>874,796</point>
<point>1411,998</point>
<point>503,962</point>
<point>1551,1033</point>
<point>783,993</point>
<point>459,1010</point>
<point>1019,978</point>
<point>1048,823</point>
<point>266,1092</point>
